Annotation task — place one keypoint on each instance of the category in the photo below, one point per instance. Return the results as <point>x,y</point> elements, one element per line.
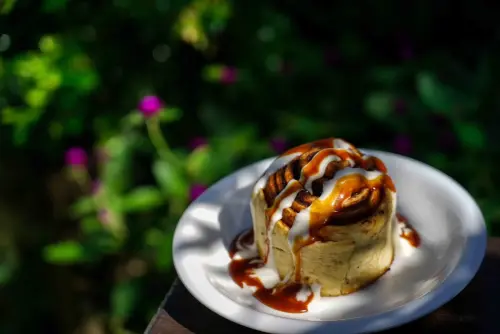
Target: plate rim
<point>472,258</point>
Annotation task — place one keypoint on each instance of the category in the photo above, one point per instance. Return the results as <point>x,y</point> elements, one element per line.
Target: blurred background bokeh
<point>116,114</point>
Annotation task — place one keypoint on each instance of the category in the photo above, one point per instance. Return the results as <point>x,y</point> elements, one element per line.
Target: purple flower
<point>150,105</point>
<point>196,142</point>
<point>402,144</point>
<point>278,144</point>
<point>229,75</point>
<point>400,107</point>
<point>76,156</point>
<point>196,190</point>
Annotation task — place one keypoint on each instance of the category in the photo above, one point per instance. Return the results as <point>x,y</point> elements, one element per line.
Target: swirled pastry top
<point>331,178</point>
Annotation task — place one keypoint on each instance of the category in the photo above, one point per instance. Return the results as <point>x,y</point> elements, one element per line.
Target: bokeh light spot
<point>4,42</point>
<point>161,53</point>
<point>266,34</point>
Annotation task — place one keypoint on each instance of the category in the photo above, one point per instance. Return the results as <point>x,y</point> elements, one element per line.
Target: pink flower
<point>229,75</point>
<point>76,156</point>
<point>402,144</point>
<point>196,190</point>
<point>196,142</point>
<point>278,144</point>
<point>150,105</point>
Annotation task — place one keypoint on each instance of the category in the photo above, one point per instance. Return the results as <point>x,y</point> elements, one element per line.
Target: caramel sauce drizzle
<point>408,232</point>
<point>282,298</point>
<point>309,164</point>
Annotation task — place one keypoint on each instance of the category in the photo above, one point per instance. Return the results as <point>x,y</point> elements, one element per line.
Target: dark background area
<point>245,79</point>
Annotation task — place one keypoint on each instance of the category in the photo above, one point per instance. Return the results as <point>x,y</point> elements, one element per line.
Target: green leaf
<point>379,105</point>
<point>164,252</point>
<point>90,225</point>
<point>101,242</point>
<point>215,120</point>
<point>21,134</point>
<point>236,142</point>
<point>116,173</point>
<point>304,127</point>
<point>470,135</point>
<point>170,115</point>
<point>437,160</point>
<point>133,119</point>
<point>123,298</point>
<point>6,271</point>
<point>50,45</point>
<point>82,207</point>
<point>153,237</point>
<point>66,252</point>
<point>50,6</point>
<point>7,6</point>
<point>440,98</point>
<point>142,199</point>
<point>82,81</point>
<point>386,75</point>
<point>8,265</point>
<point>198,161</point>
<point>212,73</point>
<point>170,179</point>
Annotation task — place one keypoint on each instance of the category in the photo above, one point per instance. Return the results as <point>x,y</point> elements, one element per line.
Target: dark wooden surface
<point>472,311</point>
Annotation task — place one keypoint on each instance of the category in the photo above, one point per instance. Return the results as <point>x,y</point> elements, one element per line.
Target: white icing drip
<point>269,277</point>
<point>341,144</point>
<point>304,293</point>
<point>245,251</point>
<point>300,229</point>
<point>321,170</point>
<point>285,202</point>
<point>316,289</point>
<point>273,167</point>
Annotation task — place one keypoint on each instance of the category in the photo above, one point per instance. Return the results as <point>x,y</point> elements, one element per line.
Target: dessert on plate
<point>324,224</point>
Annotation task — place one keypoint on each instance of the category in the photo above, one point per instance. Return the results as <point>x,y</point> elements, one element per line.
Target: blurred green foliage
<point>240,80</point>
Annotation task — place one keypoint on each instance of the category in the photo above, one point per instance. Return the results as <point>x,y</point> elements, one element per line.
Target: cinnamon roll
<point>323,214</point>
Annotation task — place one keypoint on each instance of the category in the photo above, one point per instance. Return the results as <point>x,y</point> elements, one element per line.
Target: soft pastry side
<point>327,212</point>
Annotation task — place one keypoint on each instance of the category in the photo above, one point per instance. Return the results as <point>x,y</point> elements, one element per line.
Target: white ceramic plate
<point>448,220</point>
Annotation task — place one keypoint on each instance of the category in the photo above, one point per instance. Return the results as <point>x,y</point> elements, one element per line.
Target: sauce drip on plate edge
<point>290,298</point>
